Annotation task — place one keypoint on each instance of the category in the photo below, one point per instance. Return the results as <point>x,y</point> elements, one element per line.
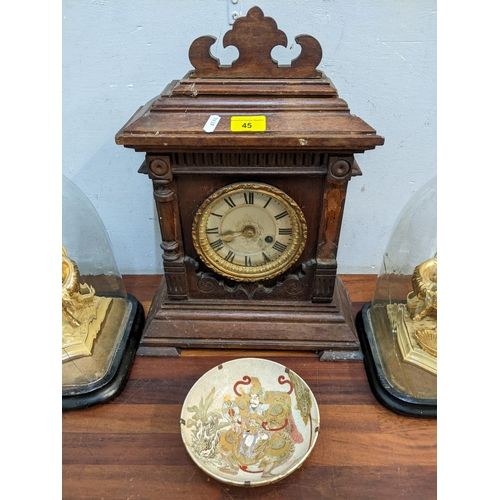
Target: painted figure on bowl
<point>254,431</point>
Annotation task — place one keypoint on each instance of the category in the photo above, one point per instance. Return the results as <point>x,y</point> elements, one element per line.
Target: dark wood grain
<point>305,149</point>
<point>131,448</point>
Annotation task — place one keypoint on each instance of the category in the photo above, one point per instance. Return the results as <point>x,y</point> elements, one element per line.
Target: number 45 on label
<point>248,123</point>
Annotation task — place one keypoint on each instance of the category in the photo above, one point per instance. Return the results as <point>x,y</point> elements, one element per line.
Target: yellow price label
<point>248,123</point>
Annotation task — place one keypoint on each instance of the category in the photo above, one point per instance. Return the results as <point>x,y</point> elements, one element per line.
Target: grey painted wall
<point>117,55</point>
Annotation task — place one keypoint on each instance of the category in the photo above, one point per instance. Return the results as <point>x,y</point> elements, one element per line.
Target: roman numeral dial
<point>249,232</point>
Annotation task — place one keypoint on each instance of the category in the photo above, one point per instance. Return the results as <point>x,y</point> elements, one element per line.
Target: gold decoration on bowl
<point>83,312</point>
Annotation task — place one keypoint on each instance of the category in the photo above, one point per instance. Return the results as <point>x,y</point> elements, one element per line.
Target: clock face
<point>249,231</point>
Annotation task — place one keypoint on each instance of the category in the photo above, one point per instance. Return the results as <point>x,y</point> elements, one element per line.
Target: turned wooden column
<point>338,175</point>
<point>165,195</point>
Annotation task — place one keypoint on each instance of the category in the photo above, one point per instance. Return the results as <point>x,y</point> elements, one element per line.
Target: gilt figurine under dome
<point>101,323</point>
<point>398,328</point>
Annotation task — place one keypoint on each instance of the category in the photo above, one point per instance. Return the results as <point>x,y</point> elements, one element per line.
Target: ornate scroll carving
<point>255,36</point>
<point>289,285</point>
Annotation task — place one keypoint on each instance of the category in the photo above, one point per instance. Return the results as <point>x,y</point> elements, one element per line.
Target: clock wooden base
<point>286,325</point>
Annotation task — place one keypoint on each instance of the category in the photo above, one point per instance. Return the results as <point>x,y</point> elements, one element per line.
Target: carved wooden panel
<point>255,36</point>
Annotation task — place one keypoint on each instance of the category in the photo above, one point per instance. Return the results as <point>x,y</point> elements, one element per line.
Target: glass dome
<point>398,328</point>
<point>87,242</point>
<point>100,321</point>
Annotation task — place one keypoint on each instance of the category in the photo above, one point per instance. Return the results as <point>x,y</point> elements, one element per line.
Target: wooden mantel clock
<point>250,165</point>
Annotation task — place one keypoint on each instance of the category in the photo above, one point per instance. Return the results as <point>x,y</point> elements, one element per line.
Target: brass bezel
<point>257,273</point>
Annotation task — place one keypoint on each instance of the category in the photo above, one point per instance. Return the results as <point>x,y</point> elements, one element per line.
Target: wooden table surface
<point>131,447</point>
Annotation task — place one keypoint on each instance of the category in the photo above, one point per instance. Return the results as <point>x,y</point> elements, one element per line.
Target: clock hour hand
<point>230,235</point>
<point>248,232</point>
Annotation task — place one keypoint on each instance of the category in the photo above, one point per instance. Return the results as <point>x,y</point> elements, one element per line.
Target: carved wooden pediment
<point>255,36</point>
